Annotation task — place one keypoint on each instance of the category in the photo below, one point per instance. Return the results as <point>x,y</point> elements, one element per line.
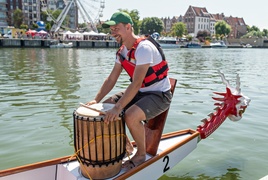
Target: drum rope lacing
<point>92,140</point>
<point>82,160</point>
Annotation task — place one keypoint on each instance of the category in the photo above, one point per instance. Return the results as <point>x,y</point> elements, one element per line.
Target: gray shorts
<point>152,103</point>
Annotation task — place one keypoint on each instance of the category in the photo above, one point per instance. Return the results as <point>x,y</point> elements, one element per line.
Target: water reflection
<point>39,85</point>
<point>64,78</point>
<point>40,88</point>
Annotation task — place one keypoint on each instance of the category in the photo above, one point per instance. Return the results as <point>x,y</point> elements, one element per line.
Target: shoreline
<point>45,43</point>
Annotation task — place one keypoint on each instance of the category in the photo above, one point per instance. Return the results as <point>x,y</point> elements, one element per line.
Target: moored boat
<point>56,44</point>
<point>172,147</point>
<point>168,42</point>
<point>247,46</point>
<point>193,45</point>
<point>219,44</point>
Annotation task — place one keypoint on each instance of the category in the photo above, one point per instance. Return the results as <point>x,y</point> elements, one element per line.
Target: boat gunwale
<point>70,158</point>
<point>194,134</point>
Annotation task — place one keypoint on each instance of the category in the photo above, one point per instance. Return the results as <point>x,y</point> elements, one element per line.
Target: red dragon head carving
<point>234,99</point>
<point>232,105</point>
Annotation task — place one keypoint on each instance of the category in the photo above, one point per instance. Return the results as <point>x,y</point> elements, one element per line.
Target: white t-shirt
<point>145,53</point>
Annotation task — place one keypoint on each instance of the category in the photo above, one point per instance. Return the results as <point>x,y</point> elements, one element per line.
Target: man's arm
<point>108,84</point>
<point>135,85</point>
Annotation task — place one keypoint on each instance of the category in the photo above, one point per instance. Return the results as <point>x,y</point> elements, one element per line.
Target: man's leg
<point>134,117</point>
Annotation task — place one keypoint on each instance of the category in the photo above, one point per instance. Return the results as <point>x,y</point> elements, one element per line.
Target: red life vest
<point>154,73</point>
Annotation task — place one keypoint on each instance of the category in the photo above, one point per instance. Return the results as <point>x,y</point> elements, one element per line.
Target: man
<point>148,94</point>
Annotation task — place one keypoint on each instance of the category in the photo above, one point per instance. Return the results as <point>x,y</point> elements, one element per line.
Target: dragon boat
<point>164,151</point>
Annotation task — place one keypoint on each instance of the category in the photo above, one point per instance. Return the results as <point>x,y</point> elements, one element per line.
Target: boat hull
<point>219,44</point>
<point>62,45</point>
<point>169,46</point>
<point>172,149</point>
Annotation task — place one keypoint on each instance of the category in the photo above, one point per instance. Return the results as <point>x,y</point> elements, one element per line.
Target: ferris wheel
<point>78,11</point>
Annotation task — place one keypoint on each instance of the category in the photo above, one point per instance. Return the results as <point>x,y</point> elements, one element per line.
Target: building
<point>168,23</point>
<point>3,15</point>
<point>31,11</point>
<point>11,6</point>
<point>215,18</point>
<point>238,25</point>
<point>197,19</point>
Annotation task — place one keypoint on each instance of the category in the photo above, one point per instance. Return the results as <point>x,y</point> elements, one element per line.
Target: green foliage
<point>24,26</point>
<point>48,26</point>
<point>55,15</point>
<point>222,28</point>
<point>104,30</point>
<point>82,25</point>
<point>202,35</point>
<point>43,17</point>
<point>35,26</point>
<point>265,32</point>
<point>189,38</point>
<point>208,38</point>
<point>17,18</point>
<point>151,25</point>
<point>179,29</point>
<point>253,34</point>
<point>254,28</point>
<point>254,31</point>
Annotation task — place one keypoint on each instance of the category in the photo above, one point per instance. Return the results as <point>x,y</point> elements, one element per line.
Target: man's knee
<point>133,115</point>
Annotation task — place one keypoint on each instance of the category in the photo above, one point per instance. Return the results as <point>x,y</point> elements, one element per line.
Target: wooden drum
<point>100,147</point>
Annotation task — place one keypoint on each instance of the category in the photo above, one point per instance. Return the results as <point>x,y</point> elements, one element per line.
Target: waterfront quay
<point>45,43</point>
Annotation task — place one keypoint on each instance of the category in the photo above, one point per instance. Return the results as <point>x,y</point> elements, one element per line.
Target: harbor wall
<point>254,42</point>
<point>45,43</point>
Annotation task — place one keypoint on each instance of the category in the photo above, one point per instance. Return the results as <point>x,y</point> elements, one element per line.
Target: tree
<point>57,13</point>
<point>82,25</point>
<point>17,18</point>
<point>151,25</point>
<point>265,32</point>
<point>44,17</point>
<point>222,28</point>
<point>23,26</point>
<point>54,14</point>
<point>254,28</point>
<point>48,26</point>
<point>35,26</point>
<point>179,29</point>
<point>202,35</point>
<point>254,31</point>
<point>104,30</point>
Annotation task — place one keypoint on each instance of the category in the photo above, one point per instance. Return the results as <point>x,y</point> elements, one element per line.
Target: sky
<point>253,12</point>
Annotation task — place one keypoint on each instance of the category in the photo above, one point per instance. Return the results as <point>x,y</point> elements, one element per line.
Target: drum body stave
<point>100,147</point>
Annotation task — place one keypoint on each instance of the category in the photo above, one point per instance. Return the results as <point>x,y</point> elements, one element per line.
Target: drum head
<point>83,111</point>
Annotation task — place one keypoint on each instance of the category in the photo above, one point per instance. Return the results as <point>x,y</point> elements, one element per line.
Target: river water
<point>40,89</point>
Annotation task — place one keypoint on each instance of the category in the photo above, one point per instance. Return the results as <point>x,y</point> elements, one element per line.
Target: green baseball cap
<point>118,17</point>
